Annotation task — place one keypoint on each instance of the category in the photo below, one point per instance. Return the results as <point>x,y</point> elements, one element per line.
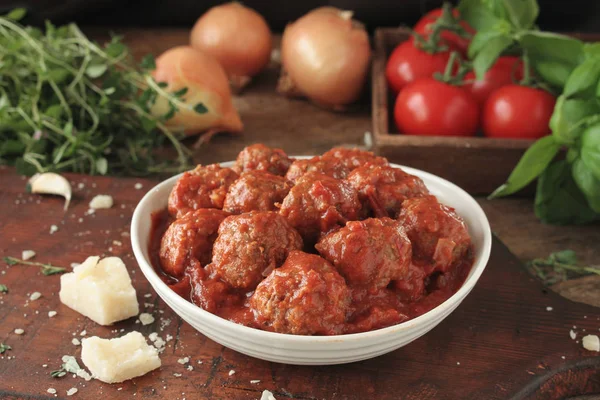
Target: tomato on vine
<point>457,35</point>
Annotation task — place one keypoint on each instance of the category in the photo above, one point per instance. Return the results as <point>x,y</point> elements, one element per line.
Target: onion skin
<point>238,37</point>
<point>325,56</point>
<point>206,82</point>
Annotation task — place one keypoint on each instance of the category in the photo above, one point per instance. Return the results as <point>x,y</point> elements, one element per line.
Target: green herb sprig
<point>47,269</point>
<point>560,266</point>
<point>70,104</point>
<point>69,365</point>
<point>3,288</point>
<point>568,190</point>
<point>4,347</point>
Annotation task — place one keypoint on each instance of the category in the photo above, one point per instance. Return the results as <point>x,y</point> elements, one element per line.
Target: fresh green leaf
<point>567,118</point>
<point>200,108</point>
<point>565,257</point>
<point>181,92</point>
<point>558,199</point>
<point>3,289</point>
<point>47,269</point>
<point>16,14</point>
<point>478,14</point>
<point>530,166</point>
<point>481,40</point>
<point>148,62</point>
<point>590,149</point>
<point>96,70</point>
<point>553,56</point>
<point>560,266</point>
<point>521,13</point>
<point>25,168</point>
<point>59,373</point>
<point>584,79</point>
<point>588,183</point>
<point>489,54</point>
<point>4,348</point>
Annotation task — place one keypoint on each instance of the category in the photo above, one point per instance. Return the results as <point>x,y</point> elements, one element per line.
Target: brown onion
<point>325,56</point>
<point>206,83</point>
<point>238,37</point>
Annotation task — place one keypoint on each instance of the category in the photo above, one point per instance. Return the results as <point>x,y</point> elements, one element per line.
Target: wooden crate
<point>477,164</point>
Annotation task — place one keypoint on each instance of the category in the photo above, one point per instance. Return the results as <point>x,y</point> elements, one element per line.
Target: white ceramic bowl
<point>315,350</point>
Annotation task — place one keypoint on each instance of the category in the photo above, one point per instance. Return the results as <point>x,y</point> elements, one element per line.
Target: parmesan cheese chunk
<point>116,360</point>
<point>591,343</point>
<point>100,290</point>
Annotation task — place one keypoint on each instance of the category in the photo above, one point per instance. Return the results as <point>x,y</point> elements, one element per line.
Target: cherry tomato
<point>423,28</point>
<point>500,74</point>
<point>408,63</point>
<point>430,107</point>
<point>518,112</point>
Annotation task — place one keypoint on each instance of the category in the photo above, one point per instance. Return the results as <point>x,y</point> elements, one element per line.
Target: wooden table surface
<point>296,126</point>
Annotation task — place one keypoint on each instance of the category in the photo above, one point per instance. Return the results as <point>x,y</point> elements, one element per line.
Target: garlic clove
<point>51,183</point>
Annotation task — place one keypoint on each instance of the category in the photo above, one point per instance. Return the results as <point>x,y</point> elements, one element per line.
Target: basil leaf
<point>565,257</point>
<point>558,199</point>
<point>489,54</point>
<point>478,14</point>
<point>521,13</point>
<point>590,149</point>
<point>16,14</point>
<point>587,182</point>
<point>584,79</point>
<point>481,40</point>
<point>530,166</point>
<point>96,70</point>
<point>567,116</point>
<point>553,56</point>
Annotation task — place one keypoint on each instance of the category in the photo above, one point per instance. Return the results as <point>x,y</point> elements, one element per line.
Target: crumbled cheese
<point>159,344</point>
<point>52,314</point>
<point>101,290</point>
<point>75,342</point>
<point>120,359</point>
<point>82,373</point>
<point>117,243</point>
<point>572,334</point>
<point>101,201</point>
<point>266,395</point>
<point>51,390</point>
<point>190,368</point>
<point>549,309</point>
<point>147,295</point>
<point>53,228</point>
<point>91,211</point>
<point>34,296</point>
<point>153,336</point>
<point>176,375</point>
<point>138,186</point>
<point>591,343</point>
<point>80,185</point>
<point>168,338</point>
<point>27,254</point>
<point>255,381</point>
<point>71,391</point>
<point>184,360</point>
<point>231,372</point>
<point>19,331</point>
<point>146,318</point>
<point>83,333</point>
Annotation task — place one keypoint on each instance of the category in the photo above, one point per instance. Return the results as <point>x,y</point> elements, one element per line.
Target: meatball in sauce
<point>256,191</point>
<point>259,157</point>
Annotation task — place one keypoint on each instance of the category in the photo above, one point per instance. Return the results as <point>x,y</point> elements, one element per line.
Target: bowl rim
<point>221,323</point>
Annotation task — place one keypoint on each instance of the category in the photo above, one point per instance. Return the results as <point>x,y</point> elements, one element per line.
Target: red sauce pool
<point>368,311</point>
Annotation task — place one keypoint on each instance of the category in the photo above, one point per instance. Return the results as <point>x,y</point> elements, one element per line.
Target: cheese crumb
<point>19,331</point>
<point>572,334</point>
<point>34,296</point>
<point>27,254</point>
<point>120,359</point>
<point>52,314</point>
<point>51,390</point>
<point>101,290</point>
<point>53,228</point>
<point>101,201</point>
<point>190,368</point>
<point>591,343</point>
<point>83,333</point>
<point>153,336</point>
<point>146,318</point>
<point>184,360</point>
<point>549,309</point>
<point>138,186</point>
<point>231,372</point>
<point>71,391</point>
<point>266,395</point>
<point>176,375</point>
<point>255,381</point>
<point>75,341</point>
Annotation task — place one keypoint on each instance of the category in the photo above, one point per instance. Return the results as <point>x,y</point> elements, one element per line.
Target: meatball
<point>192,235</point>
<point>259,157</point>
<point>330,167</point>
<point>256,191</point>
<point>437,233</point>
<point>203,187</point>
<point>383,188</point>
<point>250,246</point>
<point>319,203</point>
<point>306,296</point>
<point>368,253</point>
<point>353,158</point>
